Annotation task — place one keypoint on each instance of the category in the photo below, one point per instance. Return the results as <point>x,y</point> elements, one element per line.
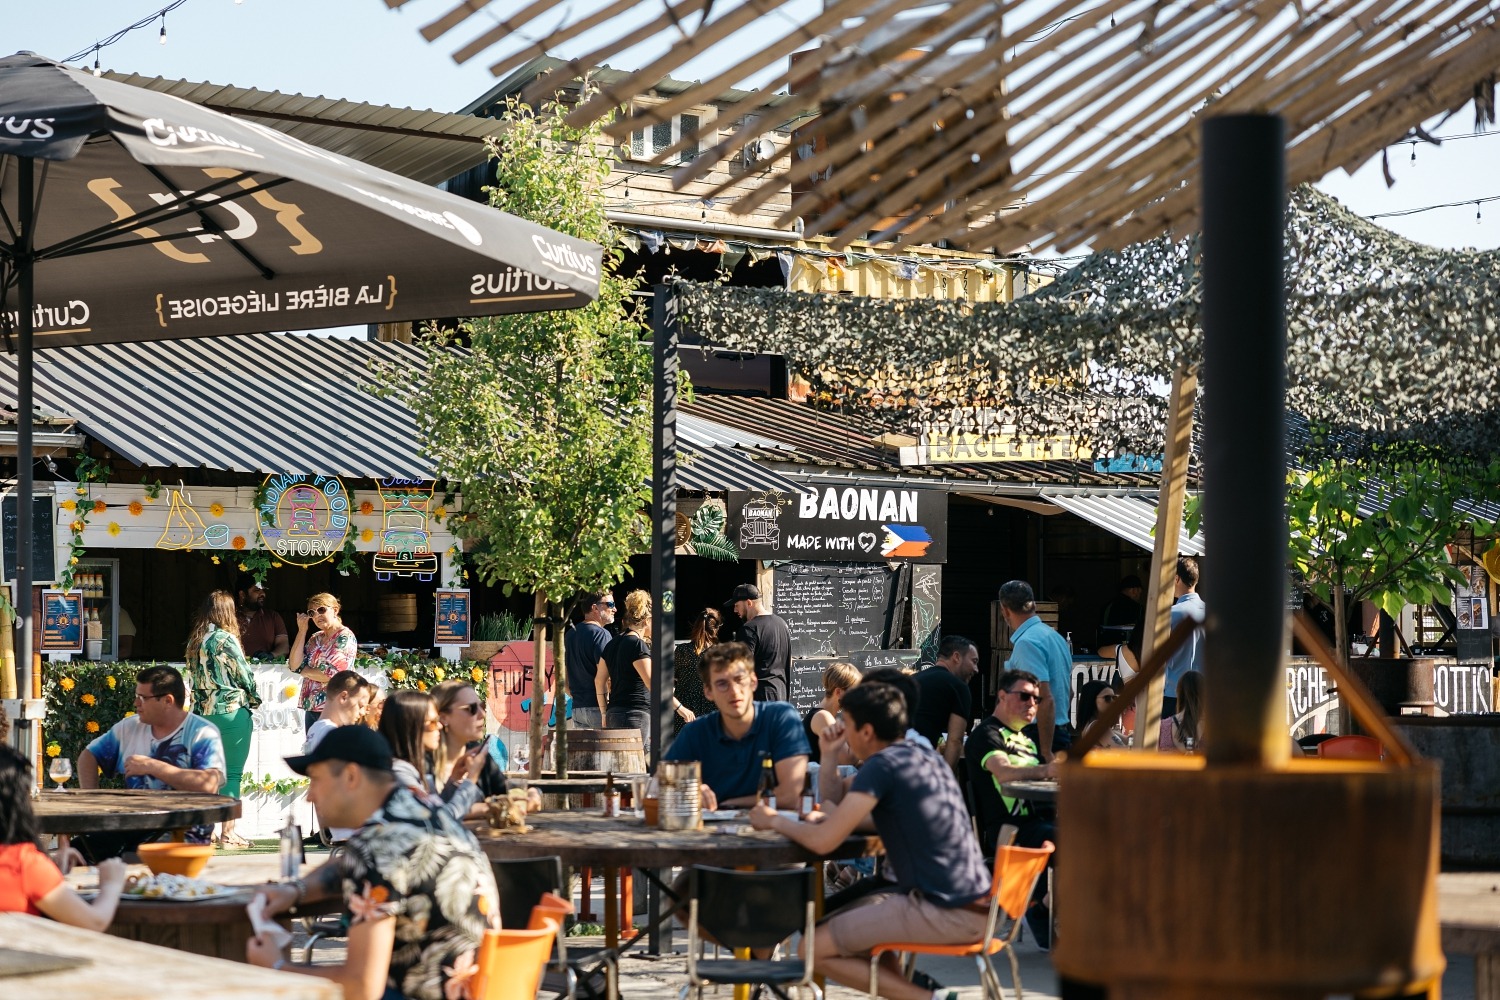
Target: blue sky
<point>361,51</point>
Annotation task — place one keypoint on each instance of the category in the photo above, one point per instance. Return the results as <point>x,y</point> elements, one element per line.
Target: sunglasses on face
<point>1025,695</point>
<point>432,724</point>
<point>321,609</point>
<point>607,604</point>
<point>472,708</point>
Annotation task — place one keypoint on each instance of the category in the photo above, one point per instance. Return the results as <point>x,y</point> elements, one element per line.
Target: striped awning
<point>1132,518</point>
<point>266,403</point>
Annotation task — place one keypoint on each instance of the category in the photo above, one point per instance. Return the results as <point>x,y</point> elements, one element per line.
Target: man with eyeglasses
<point>1000,748</point>
<point>585,648</point>
<point>731,742</point>
<point>161,746</point>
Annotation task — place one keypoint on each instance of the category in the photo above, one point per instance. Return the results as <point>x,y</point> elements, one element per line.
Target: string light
<point>1476,202</point>
<point>145,22</point>
<point>97,70</point>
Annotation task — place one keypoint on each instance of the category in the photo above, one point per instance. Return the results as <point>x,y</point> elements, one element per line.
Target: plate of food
<point>176,889</point>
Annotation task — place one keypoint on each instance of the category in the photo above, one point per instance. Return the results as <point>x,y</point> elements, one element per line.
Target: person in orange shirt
<point>31,882</point>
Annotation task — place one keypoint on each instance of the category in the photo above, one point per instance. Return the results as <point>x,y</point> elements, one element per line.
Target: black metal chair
<point>750,910</point>
<point>592,974</point>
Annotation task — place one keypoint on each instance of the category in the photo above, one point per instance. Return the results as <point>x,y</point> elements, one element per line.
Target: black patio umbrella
<point>216,225</point>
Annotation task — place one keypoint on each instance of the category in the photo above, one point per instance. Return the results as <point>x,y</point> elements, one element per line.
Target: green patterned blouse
<point>220,678</point>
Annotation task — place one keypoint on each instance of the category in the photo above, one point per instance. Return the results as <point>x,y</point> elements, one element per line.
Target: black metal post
<point>664,334</point>
<point>1244,435</point>
<point>22,571</point>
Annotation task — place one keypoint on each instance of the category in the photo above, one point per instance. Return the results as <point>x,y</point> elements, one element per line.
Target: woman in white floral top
<point>223,690</point>
<point>330,649</point>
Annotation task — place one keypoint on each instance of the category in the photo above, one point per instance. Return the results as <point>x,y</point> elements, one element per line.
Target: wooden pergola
<point>1059,123</point>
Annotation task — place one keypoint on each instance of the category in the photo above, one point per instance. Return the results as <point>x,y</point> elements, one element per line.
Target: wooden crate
<point>1000,634</point>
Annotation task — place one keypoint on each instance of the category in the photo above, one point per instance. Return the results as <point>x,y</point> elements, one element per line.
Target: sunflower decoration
<point>366,508</point>
<point>398,675</point>
<point>66,683</point>
<point>114,529</point>
<point>100,506</point>
<point>89,700</point>
<point>75,527</point>
<point>92,726</point>
<point>438,674</point>
<point>238,542</point>
<point>290,691</point>
<point>367,535</point>
<point>54,749</point>
<point>476,675</point>
<point>68,505</point>
<point>110,680</point>
<point>136,507</point>
<point>216,509</point>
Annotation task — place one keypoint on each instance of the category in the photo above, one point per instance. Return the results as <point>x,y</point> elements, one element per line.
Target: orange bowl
<point>175,859</point>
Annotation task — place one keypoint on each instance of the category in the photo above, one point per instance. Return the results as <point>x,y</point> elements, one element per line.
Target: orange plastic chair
<point>565,977</point>
<point>511,963</point>
<point>1352,748</point>
<point>1016,872</point>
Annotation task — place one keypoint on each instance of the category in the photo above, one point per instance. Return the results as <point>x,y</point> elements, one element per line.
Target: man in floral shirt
<point>419,891</point>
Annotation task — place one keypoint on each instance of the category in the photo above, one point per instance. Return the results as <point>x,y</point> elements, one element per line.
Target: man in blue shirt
<point>1038,649</point>
<point>1185,604</point>
<point>730,742</point>
<point>586,643</point>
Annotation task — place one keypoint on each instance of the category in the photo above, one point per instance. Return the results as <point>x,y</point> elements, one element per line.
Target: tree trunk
<point>538,684</point>
<point>1341,650</point>
<point>560,688</point>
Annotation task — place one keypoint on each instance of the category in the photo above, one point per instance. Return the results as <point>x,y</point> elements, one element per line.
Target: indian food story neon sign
<point>304,519</point>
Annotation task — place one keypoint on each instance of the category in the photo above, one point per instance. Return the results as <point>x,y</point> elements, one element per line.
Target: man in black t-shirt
<point>945,705</point>
<point>770,642</point>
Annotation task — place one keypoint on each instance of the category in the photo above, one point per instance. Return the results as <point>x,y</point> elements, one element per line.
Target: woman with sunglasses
<point>330,649</point>
<point>410,724</point>
<point>1092,699</point>
<point>461,722</point>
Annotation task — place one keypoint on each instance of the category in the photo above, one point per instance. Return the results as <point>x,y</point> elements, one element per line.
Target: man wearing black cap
<point>770,642</point>
<point>411,874</point>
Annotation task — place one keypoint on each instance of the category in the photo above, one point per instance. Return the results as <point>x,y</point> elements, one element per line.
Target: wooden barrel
<point>1183,881</point>
<point>617,750</point>
<point>398,613</point>
<point>1402,686</point>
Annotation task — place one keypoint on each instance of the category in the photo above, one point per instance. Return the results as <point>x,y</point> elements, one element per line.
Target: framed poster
<point>62,622</point>
<point>451,623</point>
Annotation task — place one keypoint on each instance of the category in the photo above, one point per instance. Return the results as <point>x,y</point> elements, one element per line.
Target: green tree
<point>1376,528</point>
<point>545,418</point>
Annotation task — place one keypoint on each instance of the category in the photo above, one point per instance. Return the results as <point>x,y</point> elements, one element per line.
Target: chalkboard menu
<point>833,609</point>
<point>44,558</point>
<point>807,671</point>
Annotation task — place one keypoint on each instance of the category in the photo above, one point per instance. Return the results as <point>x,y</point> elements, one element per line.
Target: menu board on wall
<point>43,520</point>
<point>451,624</point>
<point>62,622</point>
<point>833,609</point>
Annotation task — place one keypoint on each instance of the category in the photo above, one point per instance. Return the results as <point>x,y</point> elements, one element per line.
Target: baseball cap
<point>744,592</point>
<point>355,744</point>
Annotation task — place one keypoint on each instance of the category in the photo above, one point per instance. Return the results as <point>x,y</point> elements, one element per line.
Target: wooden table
<point>585,785</point>
<point>113,810</point>
<point>1469,912</point>
<point>1039,790</point>
<point>111,968</point>
<point>589,839</point>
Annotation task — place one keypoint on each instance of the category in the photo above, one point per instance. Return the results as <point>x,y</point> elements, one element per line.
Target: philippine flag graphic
<point>906,541</point>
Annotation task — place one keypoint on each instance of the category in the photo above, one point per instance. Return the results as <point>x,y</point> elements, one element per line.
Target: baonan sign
<point>840,524</point>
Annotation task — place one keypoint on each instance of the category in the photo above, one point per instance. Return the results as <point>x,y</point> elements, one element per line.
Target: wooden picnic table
<point>591,840</point>
<point>593,784</point>
<point>112,810</point>
<point>112,968</point>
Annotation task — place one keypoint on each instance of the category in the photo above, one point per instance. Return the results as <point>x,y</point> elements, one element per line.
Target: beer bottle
<point>809,803</point>
<point>767,792</point>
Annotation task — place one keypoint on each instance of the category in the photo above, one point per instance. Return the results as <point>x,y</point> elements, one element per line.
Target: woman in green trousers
<point>223,691</point>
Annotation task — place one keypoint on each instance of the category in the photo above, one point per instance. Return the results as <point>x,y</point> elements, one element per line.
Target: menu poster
<point>451,624</point>
<point>62,621</point>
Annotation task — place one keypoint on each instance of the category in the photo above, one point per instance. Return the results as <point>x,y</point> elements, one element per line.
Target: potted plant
<point>492,632</point>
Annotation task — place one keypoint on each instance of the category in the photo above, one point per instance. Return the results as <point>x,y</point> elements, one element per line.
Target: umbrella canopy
<point>130,215</point>
<point>218,225</point>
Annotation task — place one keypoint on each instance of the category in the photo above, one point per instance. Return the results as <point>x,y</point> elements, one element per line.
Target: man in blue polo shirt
<point>730,742</point>
<point>1038,649</point>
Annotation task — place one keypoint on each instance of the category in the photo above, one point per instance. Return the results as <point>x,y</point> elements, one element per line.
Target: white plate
<point>722,815</point>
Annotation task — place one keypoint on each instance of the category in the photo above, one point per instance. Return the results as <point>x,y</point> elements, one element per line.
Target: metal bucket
<point>680,798</point>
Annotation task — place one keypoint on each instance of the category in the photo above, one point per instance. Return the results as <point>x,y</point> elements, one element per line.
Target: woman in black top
<point>627,661</point>
<point>688,677</point>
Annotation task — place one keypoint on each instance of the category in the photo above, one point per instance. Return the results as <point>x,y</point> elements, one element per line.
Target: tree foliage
<point>545,419</point>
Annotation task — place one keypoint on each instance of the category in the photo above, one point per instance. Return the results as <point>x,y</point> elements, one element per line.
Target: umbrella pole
<point>24,486</point>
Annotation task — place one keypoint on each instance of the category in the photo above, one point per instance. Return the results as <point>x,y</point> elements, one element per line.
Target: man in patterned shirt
<point>419,891</point>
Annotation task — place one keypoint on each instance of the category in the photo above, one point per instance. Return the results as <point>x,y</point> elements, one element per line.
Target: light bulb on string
<point>1414,152</point>
<point>97,70</point>
<point>162,38</point>
<point>1478,213</point>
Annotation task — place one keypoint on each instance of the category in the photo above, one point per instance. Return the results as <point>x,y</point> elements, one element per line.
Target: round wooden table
<point>112,810</point>
<point>590,840</point>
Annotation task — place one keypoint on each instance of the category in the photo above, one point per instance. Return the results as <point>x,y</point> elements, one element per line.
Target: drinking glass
<point>60,770</point>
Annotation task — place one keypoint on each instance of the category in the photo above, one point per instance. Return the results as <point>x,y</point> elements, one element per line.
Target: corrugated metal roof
<point>708,432</point>
<point>427,146</point>
<point>804,435</point>
<point>265,403</point>
<point>1128,517</point>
